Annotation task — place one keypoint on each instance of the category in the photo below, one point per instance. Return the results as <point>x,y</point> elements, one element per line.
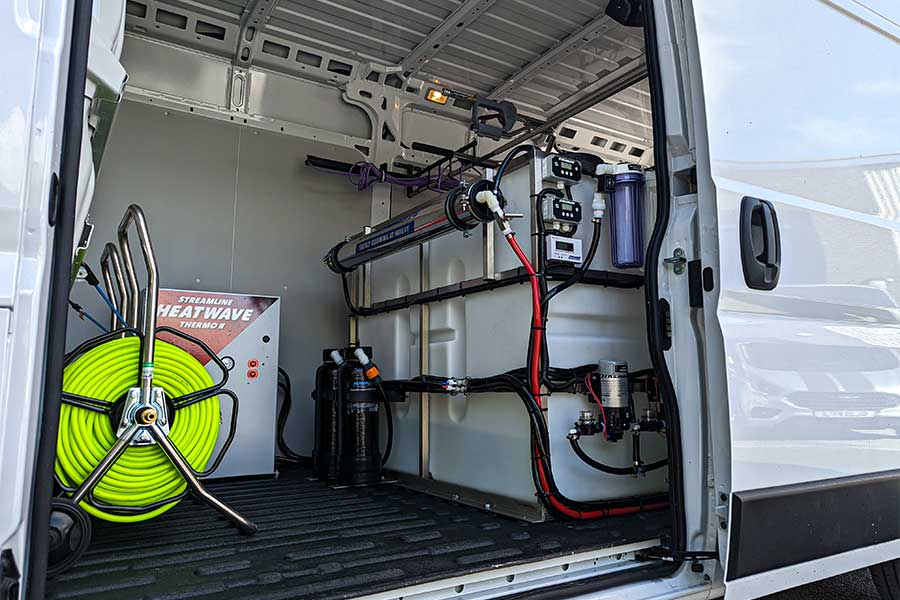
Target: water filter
<point>626,214</point>
<point>627,220</point>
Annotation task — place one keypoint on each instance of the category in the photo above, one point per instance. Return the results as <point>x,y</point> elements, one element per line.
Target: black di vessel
<point>347,403</point>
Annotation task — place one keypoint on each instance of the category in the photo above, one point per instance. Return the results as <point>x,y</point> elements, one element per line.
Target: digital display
<point>566,205</point>
<point>566,246</point>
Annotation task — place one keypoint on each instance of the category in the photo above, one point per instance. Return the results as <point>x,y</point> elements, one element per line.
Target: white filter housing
<point>482,442</point>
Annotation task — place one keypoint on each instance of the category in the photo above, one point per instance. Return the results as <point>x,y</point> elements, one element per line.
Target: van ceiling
<point>543,56</point>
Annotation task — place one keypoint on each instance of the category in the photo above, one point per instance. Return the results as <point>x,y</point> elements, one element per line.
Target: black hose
<point>596,464</point>
<point>389,417</point>
<point>579,274</point>
<point>283,413</point>
<point>345,284</point>
<point>506,383</point>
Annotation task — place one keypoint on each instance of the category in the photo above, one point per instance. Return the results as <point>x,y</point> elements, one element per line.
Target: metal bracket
<point>667,554</point>
<point>253,20</point>
<point>143,413</point>
<point>451,27</point>
<point>238,89</point>
<point>677,260</point>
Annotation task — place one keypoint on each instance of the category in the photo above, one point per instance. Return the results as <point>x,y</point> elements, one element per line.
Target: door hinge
<point>9,576</point>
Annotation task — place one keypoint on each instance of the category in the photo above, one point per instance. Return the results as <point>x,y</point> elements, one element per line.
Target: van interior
<point>395,256</point>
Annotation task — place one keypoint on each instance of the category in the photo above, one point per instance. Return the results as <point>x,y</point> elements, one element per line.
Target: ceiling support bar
<point>253,20</point>
<point>443,34</point>
<point>612,84</point>
<point>554,55</point>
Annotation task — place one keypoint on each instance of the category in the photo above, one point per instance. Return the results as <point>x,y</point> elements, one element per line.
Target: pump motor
<point>615,396</point>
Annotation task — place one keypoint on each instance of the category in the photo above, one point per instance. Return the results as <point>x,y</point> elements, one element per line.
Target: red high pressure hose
<point>534,377</point>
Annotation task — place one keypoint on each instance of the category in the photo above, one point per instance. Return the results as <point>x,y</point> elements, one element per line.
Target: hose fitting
<point>489,198</point>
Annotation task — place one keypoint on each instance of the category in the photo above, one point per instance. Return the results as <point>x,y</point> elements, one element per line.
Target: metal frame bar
<point>612,85</point>
<point>198,488</point>
<point>194,107</point>
<point>135,215</point>
<point>564,48</point>
<point>520,578</point>
<point>424,355</point>
<point>253,19</point>
<point>110,256</point>
<point>451,27</point>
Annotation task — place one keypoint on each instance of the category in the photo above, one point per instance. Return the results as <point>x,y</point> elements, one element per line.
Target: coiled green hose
<point>143,474</point>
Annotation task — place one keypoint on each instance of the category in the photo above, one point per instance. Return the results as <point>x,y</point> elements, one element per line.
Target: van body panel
<point>36,45</point>
<point>798,98</point>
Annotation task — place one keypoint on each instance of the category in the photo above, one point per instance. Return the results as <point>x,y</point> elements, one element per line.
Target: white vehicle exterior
<point>791,102</point>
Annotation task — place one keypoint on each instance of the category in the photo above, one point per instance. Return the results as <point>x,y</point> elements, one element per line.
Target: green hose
<point>143,474</point>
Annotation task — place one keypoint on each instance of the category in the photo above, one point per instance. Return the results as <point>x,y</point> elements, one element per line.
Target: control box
<point>559,209</point>
<point>561,169</point>
<point>242,329</point>
<point>564,249</point>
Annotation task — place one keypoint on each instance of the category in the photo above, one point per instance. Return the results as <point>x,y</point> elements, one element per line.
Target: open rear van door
<point>801,182</point>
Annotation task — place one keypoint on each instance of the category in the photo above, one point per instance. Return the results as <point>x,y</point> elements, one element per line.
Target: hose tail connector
<point>598,206</point>
<point>489,198</point>
<point>456,386</point>
<point>369,368</point>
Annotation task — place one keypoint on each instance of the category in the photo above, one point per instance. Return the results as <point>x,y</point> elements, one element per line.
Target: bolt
<point>723,524</point>
<point>488,506</point>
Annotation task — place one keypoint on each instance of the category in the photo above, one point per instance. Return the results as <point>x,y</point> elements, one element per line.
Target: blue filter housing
<point>626,215</point>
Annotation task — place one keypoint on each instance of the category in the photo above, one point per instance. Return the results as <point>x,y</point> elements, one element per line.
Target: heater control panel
<point>562,169</point>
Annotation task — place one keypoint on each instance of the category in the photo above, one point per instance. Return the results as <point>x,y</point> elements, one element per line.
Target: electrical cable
<point>590,389</point>
<point>506,160</point>
<point>582,270</point>
<point>281,422</point>
<point>94,282</point>
<point>111,306</point>
<point>364,175</point>
<point>82,314</point>
<point>143,474</point>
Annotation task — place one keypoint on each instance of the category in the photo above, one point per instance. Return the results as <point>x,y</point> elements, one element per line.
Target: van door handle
<point>760,243</point>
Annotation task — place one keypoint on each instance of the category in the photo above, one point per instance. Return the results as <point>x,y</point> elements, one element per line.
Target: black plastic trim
<point>60,272</point>
<point>656,326</point>
<point>787,525</point>
<point>476,285</point>
<point>695,285</point>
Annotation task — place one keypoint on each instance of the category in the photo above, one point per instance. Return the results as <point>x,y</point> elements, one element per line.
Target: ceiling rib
<point>253,19</point>
<point>444,33</point>
<point>609,85</point>
<point>573,42</point>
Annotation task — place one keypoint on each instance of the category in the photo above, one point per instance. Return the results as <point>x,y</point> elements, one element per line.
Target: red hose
<point>535,383</point>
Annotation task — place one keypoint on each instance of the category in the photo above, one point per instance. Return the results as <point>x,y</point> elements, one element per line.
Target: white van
<point>709,191</point>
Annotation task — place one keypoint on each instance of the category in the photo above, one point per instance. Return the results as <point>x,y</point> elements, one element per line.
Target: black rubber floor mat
<point>319,543</point>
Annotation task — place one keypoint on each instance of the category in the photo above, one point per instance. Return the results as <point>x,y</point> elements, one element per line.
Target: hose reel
<point>139,418</point>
